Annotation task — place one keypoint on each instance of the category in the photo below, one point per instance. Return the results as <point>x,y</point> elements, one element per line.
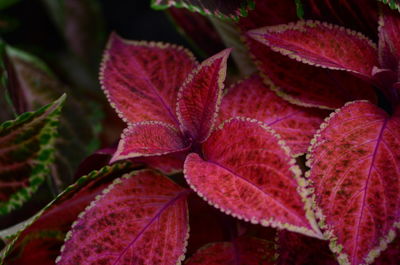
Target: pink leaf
<point>355,173</point>
<point>168,164</point>
<point>389,39</point>
<point>40,241</point>
<point>200,96</point>
<point>321,44</point>
<point>141,79</point>
<point>296,82</point>
<point>251,98</point>
<point>149,138</point>
<point>247,171</point>
<point>140,219</point>
<point>242,251</point>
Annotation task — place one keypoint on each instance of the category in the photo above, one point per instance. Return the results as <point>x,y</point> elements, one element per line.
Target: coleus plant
<point>241,167</point>
<point>237,148</point>
<point>354,157</point>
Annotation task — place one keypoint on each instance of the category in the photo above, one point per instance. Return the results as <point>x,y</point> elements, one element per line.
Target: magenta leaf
<point>232,9</point>
<point>242,251</point>
<point>200,96</point>
<point>149,138</point>
<point>141,80</point>
<point>355,176</point>
<point>141,219</point>
<point>321,44</point>
<point>40,241</point>
<point>26,154</point>
<point>389,39</point>
<point>247,171</point>
<point>296,82</point>
<point>251,98</point>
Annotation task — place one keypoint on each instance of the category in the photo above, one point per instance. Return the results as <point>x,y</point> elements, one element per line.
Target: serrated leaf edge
<point>221,86</point>
<point>300,189</point>
<point>300,25</point>
<point>117,156</point>
<point>18,198</point>
<point>240,12</point>
<point>80,181</point>
<point>104,193</point>
<point>328,232</point>
<point>151,44</point>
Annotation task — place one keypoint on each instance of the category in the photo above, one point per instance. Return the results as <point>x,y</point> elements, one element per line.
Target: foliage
<point>286,152</point>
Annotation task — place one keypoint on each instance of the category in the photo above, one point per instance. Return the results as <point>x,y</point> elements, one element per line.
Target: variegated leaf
<point>354,161</point>
<point>246,171</point>
<point>141,218</point>
<point>232,9</point>
<point>141,79</point>
<point>393,4</point>
<point>200,96</point>
<point>251,98</point>
<point>26,152</point>
<point>149,138</point>
<point>241,251</point>
<point>40,241</point>
<point>297,82</point>
<point>321,44</point>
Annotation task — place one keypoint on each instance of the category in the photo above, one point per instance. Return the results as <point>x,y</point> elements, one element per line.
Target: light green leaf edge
<point>243,10</point>
<point>393,4</point>
<point>121,166</point>
<point>45,156</point>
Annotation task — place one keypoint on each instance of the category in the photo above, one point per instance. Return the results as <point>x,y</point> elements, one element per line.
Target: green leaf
<point>393,4</point>
<point>80,121</point>
<point>40,240</point>
<point>26,151</point>
<point>225,9</point>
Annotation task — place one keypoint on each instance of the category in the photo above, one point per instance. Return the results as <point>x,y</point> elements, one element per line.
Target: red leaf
<point>242,251</point>
<point>321,44</point>
<point>200,96</point>
<point>141,79</point>
<point>246,171</point>
<point>296,249</point>
<point>354,162</point>
<point>389,39</point>
<point>168,164</point>
<point>296,82</point>
<point>40,241</point>
<point>251,98</point>
<point>140,219</point>
<point>149,138</point>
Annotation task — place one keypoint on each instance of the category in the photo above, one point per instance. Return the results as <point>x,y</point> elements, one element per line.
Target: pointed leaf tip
<point>247,171</point>
<point>321,44</point>
<point>135,84</point>
<point>149,139</point>
<point>354,162</point>
<point>141,217</point>
<point>200,96</point>
<point>26,151</point>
